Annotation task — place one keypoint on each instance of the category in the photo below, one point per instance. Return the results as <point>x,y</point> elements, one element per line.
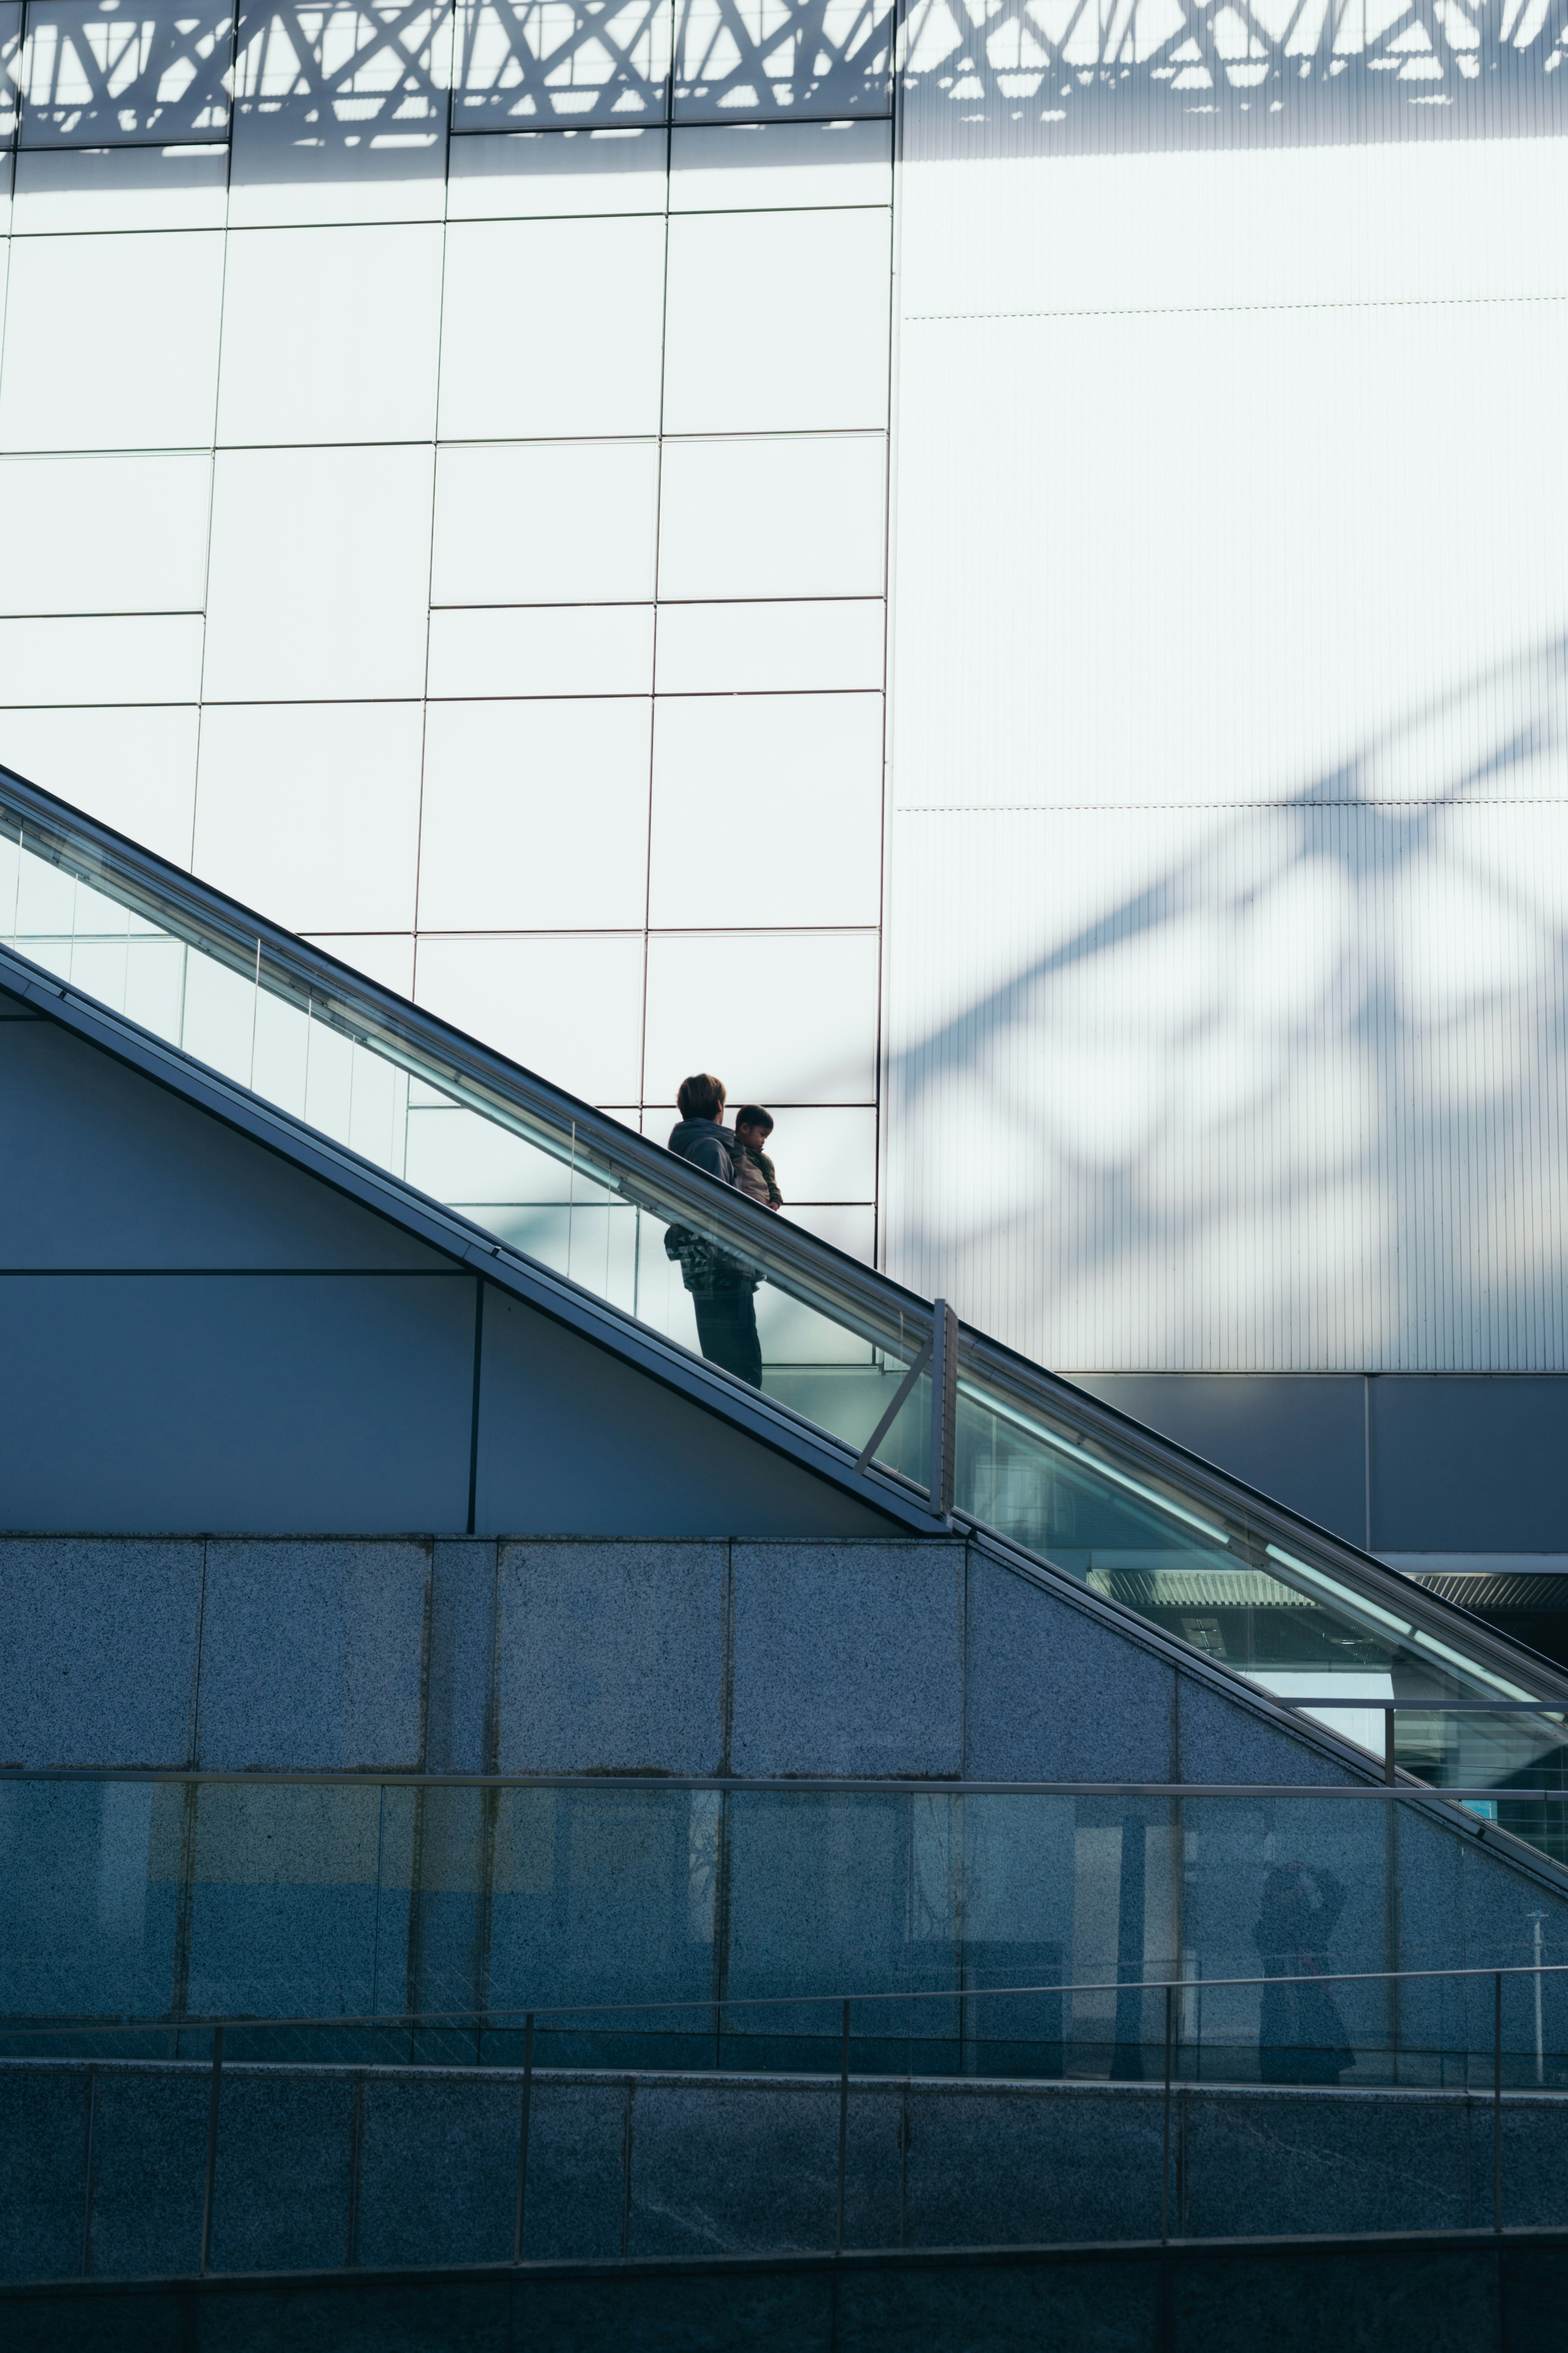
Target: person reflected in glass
<point>754,1172</point>
<point>720,1283</point>
<point>1301,2037</point>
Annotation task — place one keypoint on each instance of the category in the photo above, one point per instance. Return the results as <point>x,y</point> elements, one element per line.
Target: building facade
<point>994,576</point>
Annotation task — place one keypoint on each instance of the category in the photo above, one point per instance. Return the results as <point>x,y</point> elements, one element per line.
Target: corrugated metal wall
<point>1269,1090</point>
<point>1229,853</point>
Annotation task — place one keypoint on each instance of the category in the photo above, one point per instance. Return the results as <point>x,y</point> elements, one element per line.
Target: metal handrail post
<point>211,2178</point>
<point>1496,2102</point>
<point>87,2174</point>
<point>1165,2144</point>
<point>522,2134</point>
<point>943,1406</point>
<point>843,2132</point>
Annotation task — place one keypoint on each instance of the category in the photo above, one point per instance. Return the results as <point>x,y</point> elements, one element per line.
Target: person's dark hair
<point>701,1096</point>
<point>754,1116</point>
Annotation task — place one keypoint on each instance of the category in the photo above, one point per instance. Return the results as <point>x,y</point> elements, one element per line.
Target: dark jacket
<point>756,1176</point>
<point>706,1267</point>
<point>707,1145</point>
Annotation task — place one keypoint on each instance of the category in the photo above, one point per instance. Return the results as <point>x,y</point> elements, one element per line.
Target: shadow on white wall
<point>367,81</point>
<point>1251,1088</point>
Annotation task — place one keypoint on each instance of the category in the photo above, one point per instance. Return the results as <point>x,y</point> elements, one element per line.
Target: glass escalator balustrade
<point>525,1174</point>
<point>1221,1583</point>
<point>590,1201</point>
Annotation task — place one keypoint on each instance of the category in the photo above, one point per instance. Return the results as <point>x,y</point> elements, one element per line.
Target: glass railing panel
<point>1295,1629</point>
<point>89,1907</point>
<point>1474,1749</point>
<point>281,1052</point>
<point>218,1017</point>
<point>297,1898</point>
<point>155,985</point>
<point>984,1933</point>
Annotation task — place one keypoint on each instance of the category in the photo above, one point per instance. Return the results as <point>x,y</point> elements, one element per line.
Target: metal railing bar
<point>900,1398</point>
<point>491,2019</point>
<point>209,2180</point>
<point>87,2174</point>
<point>1165,2130</point>
<point>843,2131</point>
<point>1426,1707</point>
<point>650,1784</point>
<point>1011,2253</point>
<point>1497,2104</point>
<point>523,2122</point>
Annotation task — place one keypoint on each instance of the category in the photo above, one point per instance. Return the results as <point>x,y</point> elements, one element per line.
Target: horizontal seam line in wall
<point>112,703</point>
<point>140,613</point>
<point>631,212</point>
<point>40,935</point>
<point>624,694</point>
<point>627,932</point>
<point>624,603</point>
<point>610,1110</point>
<point>1289,805</point>
<point>267,701</point>
<point>1206,310</point>
<point>516,694</point>
<point>452,220</point>
<point>439,441</point>
<point>152,450</point>
<point>132,228</point>
<point>294,1273</point>
<point>488,128</point>
<point>206,145</point>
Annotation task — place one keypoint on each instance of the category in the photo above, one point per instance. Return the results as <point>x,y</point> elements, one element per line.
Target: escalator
<point>929,1412</point>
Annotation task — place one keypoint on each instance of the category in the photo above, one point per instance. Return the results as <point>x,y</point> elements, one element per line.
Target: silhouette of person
<point>1301,2037</point>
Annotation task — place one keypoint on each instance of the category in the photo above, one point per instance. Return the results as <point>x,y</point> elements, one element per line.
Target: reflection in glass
<point>1016,1935</point>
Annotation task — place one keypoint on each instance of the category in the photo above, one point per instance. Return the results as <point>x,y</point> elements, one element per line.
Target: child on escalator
<point>754,1172</point>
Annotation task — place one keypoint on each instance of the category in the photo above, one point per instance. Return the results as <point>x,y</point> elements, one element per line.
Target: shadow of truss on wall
<point>1251,1090</point>
<point>359,79</point>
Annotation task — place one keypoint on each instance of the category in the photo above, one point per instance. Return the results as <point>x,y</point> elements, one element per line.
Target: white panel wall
<point>1226,1013</point>
<point>473,548</point>
<point>469,550</point>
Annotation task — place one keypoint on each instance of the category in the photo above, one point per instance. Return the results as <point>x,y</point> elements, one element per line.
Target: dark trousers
<point>727,1332</point>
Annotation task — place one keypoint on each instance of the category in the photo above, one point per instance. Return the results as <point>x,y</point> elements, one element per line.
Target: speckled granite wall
<point>865,1657</point>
